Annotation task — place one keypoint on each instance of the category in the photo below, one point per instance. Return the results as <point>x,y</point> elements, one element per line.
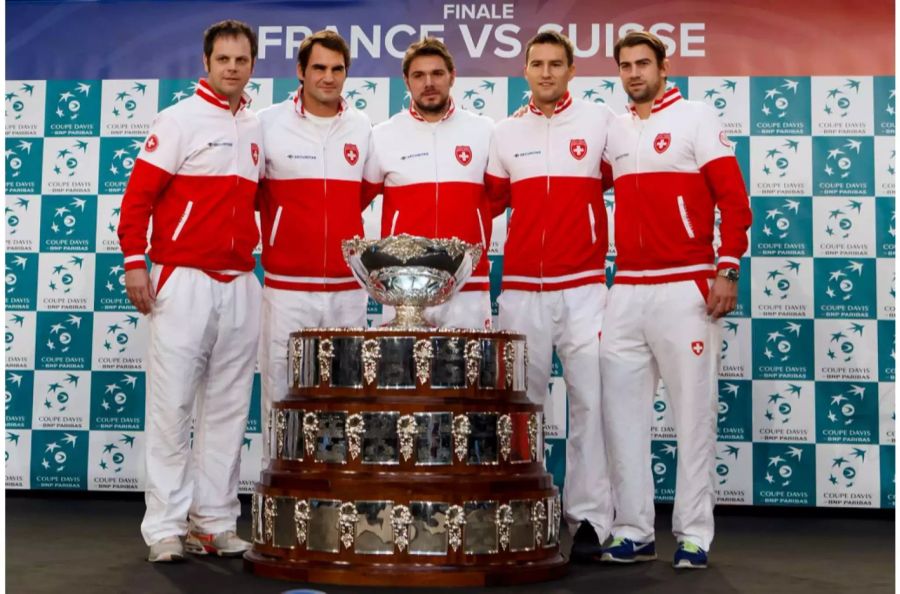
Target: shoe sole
<point>688,565</point>
<point>606,557</point>
<point>171,558</point>
<point>210,550</point>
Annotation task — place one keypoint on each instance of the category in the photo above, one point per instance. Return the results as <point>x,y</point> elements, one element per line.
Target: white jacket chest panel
<point>213,142</point>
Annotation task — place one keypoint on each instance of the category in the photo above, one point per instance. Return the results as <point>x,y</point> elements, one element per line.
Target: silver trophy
<point>411,273</point>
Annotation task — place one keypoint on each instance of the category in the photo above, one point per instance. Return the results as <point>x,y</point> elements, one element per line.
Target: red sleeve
<point>146,184</point>
<point>497,190</point>
<point>369,191</point>
<point>723,178</point>
<point>606,174</point>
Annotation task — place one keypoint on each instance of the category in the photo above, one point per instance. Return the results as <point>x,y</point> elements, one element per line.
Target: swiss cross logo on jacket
<point>464,155</point>
<point>351,153</point>
<point>662,142</point>
<point>254,152</point>
<point>697,347</point>
<point>151,144</point>
<point>578,148</point>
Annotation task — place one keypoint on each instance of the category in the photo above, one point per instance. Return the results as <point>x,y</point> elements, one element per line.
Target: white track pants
<point>571,319</point>
<point>284,312</point>
<point>201,359</point>
<point>466,309</point>
<point>652,331</point>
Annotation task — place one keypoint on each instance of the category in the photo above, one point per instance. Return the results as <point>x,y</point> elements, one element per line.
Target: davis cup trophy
<point>406,455</point>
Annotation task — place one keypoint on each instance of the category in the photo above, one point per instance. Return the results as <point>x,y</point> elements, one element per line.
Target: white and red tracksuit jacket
<point>670,171</point>
<point>433,179</point>
<point>196,175</point>
<point>311,195</point>
<point>548,171</point>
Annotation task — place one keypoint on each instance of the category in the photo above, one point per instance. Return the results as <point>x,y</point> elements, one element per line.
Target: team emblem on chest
<point>464,155</point>
<point>254,152</point>
<point>662,142</point>
<point>578,148</point>
<point>351,153</point>
<point>697,347</point>
<point>151,144</point>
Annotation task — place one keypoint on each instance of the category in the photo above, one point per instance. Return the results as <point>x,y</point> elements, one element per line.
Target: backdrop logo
<point>73,108</point>
<point>843,166</point>
<point>20,222</point>
<point>66,282</point>
<point>728,453</point>
<point>843,227</point>
<point>18,446</point>
<point>736,352</point>
<point>117,334</point>
<point>484,96</point>
<point>109,284</point>
<point>254,424</point>
<point>117,401</point>
<point>119,341</point>
<point>555,461</point>
<point>780,105</point>
<point>780,166</point>
<point>845,288</point>
<point>885,105</point>
<point>729,97</point>
<point>734,473</point>
<point>61,396</point>
<point>735,406</point>
<point>783,474</point>
<point>848,476</point>
<point>24,108</point>
<point>261,92</point>
<point>885,166</point>
<point>782,349</point>
<point>886,227</point>
<point>784,288</point>
<point>842,105</point>
<point>887,351</point>
<point>117,160</point>
<point>129,107</point>
<point>601,90</point>
<point>19,399</point>
<point>663,464</point>
<point>662,427</point>
<point>171,91</point>
<point>21,281</point>
<point>400,99</point>
<point>844,351</point>
<point>64,340</point>
<point>779,405</point>
<point>844,414</point>
<point>519,94</point>
<point>59,459</point>
<point>785,229</point>
<point>20,337</point>
<point>370,95</point>
<point>115,453</point>
<point>888,476</point>
<point>68,223</point>
<point>23,165</point>
<point>70,166</point>
<point>887,289</point>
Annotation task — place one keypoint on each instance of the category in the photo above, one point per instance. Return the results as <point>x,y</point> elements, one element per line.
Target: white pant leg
<point>577,328</point>
<point>224,405</point>
<point>182,332</point>
<point>525,312</point>
<point>345,308</point>
<point>686,343</point>
<point>629,382</point>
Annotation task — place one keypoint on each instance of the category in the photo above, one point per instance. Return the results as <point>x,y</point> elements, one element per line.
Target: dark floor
<point>93,545</point>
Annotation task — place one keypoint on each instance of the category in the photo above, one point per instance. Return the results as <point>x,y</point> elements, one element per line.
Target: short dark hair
<point>430,46</point>
<point>552,38</point>
<point>328,40</point>
<point>635,38</point>
<point>229,28</point>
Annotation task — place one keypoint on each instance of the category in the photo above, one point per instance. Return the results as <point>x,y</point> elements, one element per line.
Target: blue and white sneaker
<point>689,556</point>
<point>625,550</point>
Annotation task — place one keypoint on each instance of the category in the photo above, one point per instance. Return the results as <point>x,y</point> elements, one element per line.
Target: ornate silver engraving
<point>325,355</point>
<point>473,360</point>
<point>401,518</point>
<point>538,517</point>
<point>461,430</point>
<point>504,429</point>
<point>533,435</point>
<point>269,513</point>
<point>280,425</point>
<point>406,430</point>
<point>301,520</point>
<point>310,428</point>
<point>504,521</point>
<point>423,353</point>
<point>254,515</point>
<point>296,355</point>
<point>371,353</point>
<point>356,426</point>
<point>509,362</point>
<point>456,519</point>
<point>347,523</point>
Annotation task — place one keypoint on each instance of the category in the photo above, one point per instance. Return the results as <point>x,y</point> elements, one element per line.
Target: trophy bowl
<point>411,273</point>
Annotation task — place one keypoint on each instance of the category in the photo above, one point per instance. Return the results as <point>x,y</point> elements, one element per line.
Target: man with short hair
<point>545,165</point>
<point>310,200</point>
<point>196,178</point>
<point>429,162</point>
<point>673,166</point>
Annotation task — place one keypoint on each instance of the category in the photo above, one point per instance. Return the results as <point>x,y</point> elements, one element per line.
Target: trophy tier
<point>406,457</point>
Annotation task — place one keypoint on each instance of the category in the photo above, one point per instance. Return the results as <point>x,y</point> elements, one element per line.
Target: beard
<point>646,95</point>
<point>434,108</point>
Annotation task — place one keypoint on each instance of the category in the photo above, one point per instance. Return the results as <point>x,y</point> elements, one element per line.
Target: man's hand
<point>722,298</point>
<point>140,290</point>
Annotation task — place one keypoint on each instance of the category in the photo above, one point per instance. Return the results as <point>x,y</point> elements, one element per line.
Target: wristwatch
<point>732,274</point>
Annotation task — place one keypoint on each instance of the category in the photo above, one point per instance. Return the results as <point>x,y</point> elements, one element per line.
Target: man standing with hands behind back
<point>672,166</point>
<point>196,178</point>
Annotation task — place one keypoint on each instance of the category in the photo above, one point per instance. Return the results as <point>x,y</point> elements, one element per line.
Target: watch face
<point>732,274</point>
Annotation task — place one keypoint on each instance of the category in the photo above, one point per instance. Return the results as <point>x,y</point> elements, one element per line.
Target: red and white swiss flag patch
<point>254,153</point>
<point>697,347</point>
<point>578,148</point>
<point>151,144</point>
<point>662,142</point>
<point>351,153</point>
<point>464,155</point>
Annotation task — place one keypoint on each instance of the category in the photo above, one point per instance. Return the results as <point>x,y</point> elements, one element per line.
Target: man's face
<point>229,66</point>
<point>548,72</point>
<point>429,82</point>
<point>323,81</point>
<point>642,77</point>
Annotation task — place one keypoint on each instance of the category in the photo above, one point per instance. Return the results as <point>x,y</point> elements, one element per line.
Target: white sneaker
<point>223,544</point>
<point>167,550</point>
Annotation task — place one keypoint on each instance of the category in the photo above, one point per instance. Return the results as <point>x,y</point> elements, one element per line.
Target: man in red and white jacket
<point>310,200</point>
<point>545,165</point>
<point>429,161</point>
<point>196,178</point>
<point>672,165</point>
